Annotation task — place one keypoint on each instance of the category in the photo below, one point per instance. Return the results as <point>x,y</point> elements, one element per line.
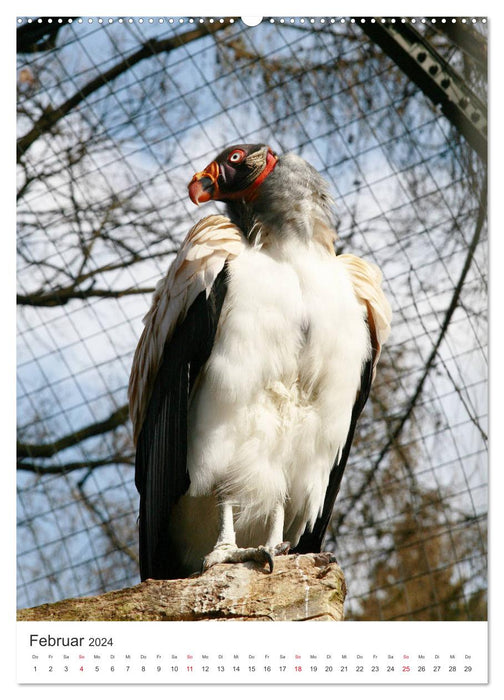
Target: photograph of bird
<point>255,362</point>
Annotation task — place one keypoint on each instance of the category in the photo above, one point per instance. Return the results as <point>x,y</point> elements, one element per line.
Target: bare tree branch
<point>61,297</point>
<point>91,464</point>
<point>49,449</point>
<point>51,116</point>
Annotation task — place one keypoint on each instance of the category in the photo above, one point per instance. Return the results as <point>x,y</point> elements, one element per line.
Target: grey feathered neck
<point>291,199</point>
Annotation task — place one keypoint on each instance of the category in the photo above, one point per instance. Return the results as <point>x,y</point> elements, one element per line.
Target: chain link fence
<point>114,117</point>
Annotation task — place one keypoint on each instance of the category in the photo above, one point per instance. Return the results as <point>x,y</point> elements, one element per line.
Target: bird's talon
<point>265,557</point>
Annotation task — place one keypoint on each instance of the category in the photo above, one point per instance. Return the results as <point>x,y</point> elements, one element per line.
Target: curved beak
<point>203,186</point>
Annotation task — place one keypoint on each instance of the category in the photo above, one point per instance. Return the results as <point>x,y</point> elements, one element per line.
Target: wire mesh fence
<point>114,117</point>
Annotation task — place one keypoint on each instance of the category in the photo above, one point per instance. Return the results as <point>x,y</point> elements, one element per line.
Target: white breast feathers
<point>273,407</point>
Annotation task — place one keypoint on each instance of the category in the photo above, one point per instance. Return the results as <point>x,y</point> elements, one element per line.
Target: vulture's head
<point>283,195</point>
<point>236,173</point>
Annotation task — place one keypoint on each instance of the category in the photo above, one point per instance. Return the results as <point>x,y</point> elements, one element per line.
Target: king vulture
<point>256,359</point>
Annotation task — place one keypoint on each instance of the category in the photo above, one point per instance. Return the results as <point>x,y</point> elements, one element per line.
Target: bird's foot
<point>231,554</point>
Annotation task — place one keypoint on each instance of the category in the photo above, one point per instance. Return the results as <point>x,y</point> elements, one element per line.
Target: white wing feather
<point>366,279</point>
<point>208,246</point>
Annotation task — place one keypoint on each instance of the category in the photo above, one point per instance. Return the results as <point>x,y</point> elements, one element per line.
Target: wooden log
<point>301,587</point>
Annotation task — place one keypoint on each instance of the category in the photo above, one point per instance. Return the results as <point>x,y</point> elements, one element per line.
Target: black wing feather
<point>161,474</point>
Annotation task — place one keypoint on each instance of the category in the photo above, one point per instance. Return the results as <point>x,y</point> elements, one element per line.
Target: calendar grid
<point>206,653</point>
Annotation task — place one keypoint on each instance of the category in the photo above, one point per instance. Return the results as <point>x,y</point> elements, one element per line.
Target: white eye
<point>236,156</point>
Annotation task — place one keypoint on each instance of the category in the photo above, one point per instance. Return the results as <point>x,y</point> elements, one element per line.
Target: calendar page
<point>149,652</point>
<point>252,359</point>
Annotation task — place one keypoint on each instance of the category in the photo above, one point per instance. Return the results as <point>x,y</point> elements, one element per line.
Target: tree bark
<point>301,587</point>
